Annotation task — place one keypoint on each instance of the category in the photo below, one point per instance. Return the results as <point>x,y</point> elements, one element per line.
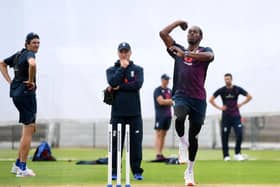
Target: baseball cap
<point>124,45</point>
<point>165,77</point>
<point>30,36</point>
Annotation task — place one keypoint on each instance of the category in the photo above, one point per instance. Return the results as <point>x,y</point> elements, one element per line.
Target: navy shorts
<point>27,107</point>
<point>194,108</point>
<point>232,120</point>
<point>163,123</point>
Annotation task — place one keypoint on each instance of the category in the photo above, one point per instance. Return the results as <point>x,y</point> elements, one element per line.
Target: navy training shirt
<point>18,88</point>
<point>127,98</point>
<point>162,111</point>
<point>189,75</point>
<point>230,98</point>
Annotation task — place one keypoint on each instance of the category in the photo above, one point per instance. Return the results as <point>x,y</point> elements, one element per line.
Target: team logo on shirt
<point>230,96</point>
<point>166,93</point>
<point>132,73</point>
<point>188,61</point>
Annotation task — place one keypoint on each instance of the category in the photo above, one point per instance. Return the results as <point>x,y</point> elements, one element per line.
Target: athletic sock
<point>17,162</point>
<point>190,166</point>
<point>23,166</point>
<point>183,140</point>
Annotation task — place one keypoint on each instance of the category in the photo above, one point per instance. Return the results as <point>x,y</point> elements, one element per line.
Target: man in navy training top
<point>163,102</point>
<point>125,79</point>
<point>230,115</point>
<point>22,92</point>
<point>189,95</point>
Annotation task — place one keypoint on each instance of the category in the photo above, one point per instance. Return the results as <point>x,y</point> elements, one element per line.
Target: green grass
<point>264,168</point>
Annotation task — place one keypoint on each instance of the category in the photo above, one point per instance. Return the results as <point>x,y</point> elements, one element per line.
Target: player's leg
<point>161,127</point>
<point>27,107</point>
<point>194,130</point>
<point>158,129</point>
<point>157,141</point>
<point>16,165</point>
<point>136,138</point>
<point>225,131</point>
<point>162,135</point>
<point>193,139</point>
<point>238,130</point>
<point>196,118</point>
<point>160,138</point>
<point>180,115</point>
<point>180,111</point>
<point>27,132</point>
<point>239,135</point>
<point>25,143</point>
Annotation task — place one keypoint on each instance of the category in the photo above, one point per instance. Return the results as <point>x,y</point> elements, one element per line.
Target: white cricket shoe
<point>227,158</point>
<point>25,173</point>
<point>183,156</point>
<point>14,169</point>
<point>189,178</point>
<point>240,157</point>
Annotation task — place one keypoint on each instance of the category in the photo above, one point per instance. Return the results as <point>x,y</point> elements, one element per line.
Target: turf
<point>264,168</point>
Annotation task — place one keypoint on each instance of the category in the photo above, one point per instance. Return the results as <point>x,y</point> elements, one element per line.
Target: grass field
<point>262,168</point>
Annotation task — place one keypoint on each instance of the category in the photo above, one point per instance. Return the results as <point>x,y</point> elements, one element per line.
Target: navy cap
<point>30,36</point>
<point>165,77</point>
<point>124,45</point>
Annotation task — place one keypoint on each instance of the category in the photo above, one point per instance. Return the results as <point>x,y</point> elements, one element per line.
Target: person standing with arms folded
<point>125,79</point>
<point>163,102</point>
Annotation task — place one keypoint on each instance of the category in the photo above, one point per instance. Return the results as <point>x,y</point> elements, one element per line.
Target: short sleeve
<point>157,93</point>
<point>29,55</point>
<point>208,49</point>
<point>242,91</point>
<point>10,60</point>
<point>171,53</point>
<point>217,92</point>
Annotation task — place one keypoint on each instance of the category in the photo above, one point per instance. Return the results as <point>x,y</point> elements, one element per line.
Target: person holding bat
<point>189,95</point>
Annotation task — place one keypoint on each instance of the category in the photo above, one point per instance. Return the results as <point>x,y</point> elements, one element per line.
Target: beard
<point>191,42</point>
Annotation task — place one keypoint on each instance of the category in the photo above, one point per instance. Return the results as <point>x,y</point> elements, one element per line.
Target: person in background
<point>125,79</point>
<point>231,117</point>
<point>23,94</point>
<point>163,116</point>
